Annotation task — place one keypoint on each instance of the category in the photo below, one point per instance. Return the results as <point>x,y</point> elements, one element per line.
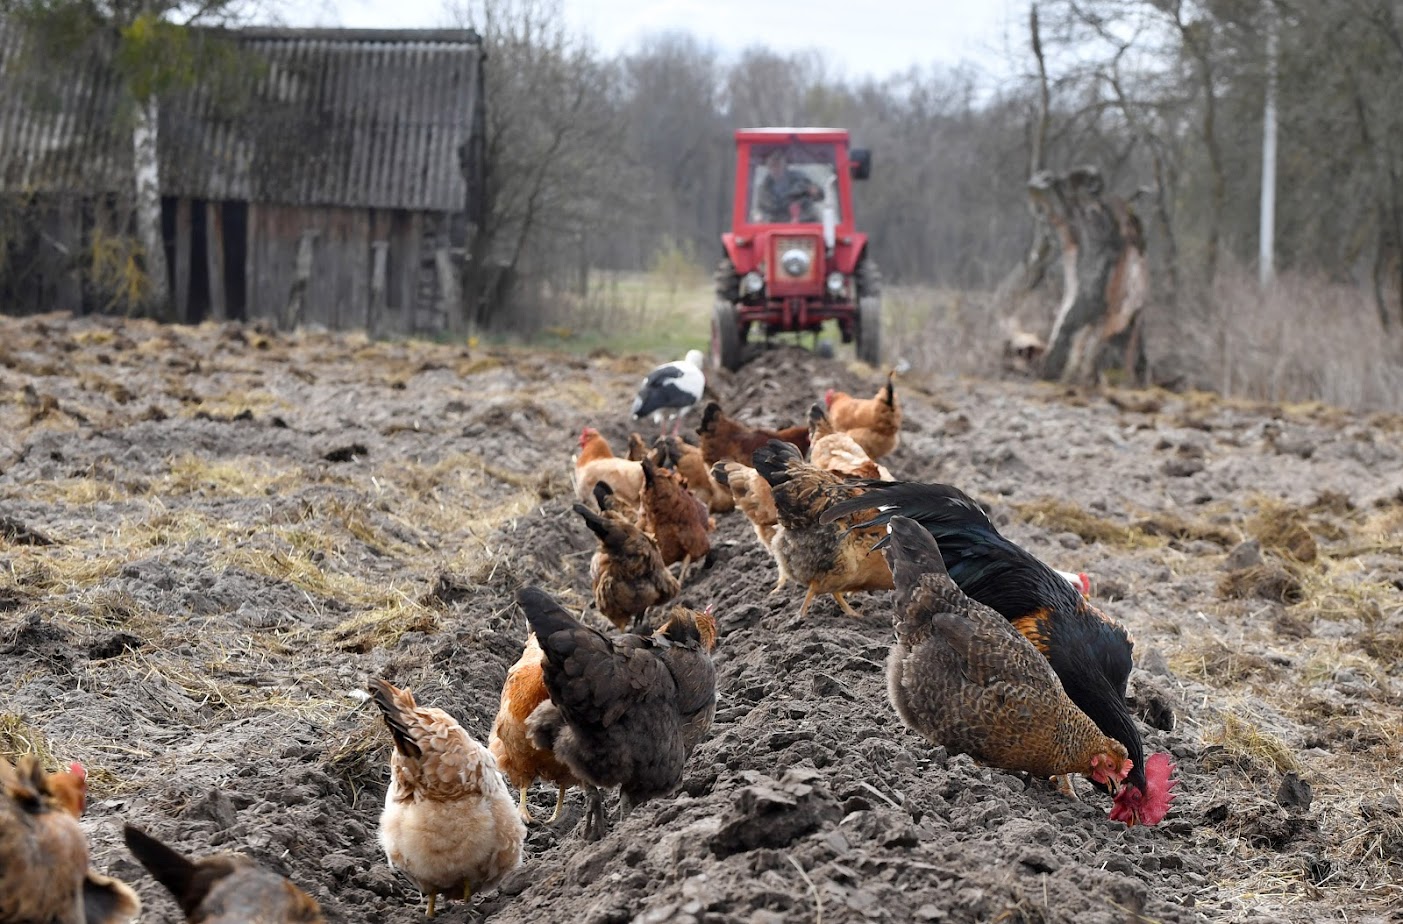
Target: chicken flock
<point>996,655</point>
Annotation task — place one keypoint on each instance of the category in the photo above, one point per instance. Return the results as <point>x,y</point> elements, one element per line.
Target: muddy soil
<point>211,537</point>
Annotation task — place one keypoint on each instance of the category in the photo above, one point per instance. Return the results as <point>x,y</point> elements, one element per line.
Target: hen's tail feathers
<point>819,424</point>
<point>107,900</point>
<point>772,461</point>
<point>709,417</point>
<point>929,504</point>
<point>650,471</point>
<point>911,552</point>
<point>392,703</point>
<point>890,392</point>
<point>596,523</point>
<point>544,613</point>
<point>170,868</point>
<point>720,475</point>
<point>603,495</point>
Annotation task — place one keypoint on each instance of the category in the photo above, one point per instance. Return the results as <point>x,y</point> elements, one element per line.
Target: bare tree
<point>552,153</point>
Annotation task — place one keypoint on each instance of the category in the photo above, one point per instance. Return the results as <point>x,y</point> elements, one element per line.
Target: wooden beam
<point>214,255</point>
<point>184,228</point>
<point>297,298</point>
<point>379,273</point>
<point>450,292</point>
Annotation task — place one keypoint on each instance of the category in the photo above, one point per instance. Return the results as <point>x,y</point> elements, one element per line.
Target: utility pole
<point>1268,222</point>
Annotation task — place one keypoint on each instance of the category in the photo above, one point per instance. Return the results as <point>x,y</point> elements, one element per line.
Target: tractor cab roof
<point>791,134</point>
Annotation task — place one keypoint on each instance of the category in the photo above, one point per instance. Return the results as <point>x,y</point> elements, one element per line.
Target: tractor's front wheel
<point>725,337</point>
<point>869,312</point>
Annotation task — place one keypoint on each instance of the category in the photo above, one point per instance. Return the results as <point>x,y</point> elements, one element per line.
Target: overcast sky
<point>872,38</point>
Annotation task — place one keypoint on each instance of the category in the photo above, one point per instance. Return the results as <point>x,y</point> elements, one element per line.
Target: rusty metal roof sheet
<point>314,117</point>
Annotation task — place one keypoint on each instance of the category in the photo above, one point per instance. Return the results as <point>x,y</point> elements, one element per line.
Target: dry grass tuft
<point>1248,746</point>
<point>1284,530</point>
<point>1065,517</point>
<point>1173,526</point>
<point>384,626</point>
<point>1269,581</point>
<point>18,738</point>
<point>1214,662</point>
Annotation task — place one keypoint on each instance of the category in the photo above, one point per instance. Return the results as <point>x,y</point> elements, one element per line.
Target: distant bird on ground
<point>672,390</point>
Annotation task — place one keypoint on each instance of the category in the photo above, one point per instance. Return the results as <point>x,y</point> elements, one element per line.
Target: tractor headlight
<point>752,283</point>
<point>795,262</point>
<point>835,283</point>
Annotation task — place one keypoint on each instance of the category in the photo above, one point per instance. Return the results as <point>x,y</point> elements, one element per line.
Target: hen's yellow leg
<point>432,896</point>
<point>1066,787</point>
<point>525,811</point>
<point>808,598</point>
<point>559,803</point>
<point>845,606</point>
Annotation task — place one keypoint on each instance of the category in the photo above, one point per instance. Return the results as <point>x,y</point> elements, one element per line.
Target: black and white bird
<point>672,390</point>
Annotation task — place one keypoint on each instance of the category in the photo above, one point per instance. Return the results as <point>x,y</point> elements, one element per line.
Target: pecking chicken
<point>44,874</point>
<point>725,439</point>
<point>1090,652</point>
<point>825,557</point>
<point>835,451</point>
<point>625,711</point>
<point>673,516</point>
<point>753,497</point>
<point>874,422</point>
<point>449,823</point>
<point>637,448</point>
<point>596,462</point>
<point>222,889</point>
<point>675,452</point>
<point>519,759</point>
<point>627,573</point>
<point>962,677</point>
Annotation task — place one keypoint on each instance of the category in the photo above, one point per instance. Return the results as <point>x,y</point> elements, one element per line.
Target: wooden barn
<point>333,177</point>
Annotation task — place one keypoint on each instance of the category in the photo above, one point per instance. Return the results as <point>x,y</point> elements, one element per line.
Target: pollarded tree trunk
<point>146,168</point>
<point>1104,271</point>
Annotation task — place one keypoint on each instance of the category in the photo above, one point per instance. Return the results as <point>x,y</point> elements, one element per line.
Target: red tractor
<point>794,258</point>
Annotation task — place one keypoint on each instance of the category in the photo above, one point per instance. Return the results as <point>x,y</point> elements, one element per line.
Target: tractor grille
<point>796,258</point>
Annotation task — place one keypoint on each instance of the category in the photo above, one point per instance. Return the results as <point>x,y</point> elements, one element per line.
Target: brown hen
<point>627,573</point>
<point>961,676</point>
<point>827,558</point>
<point>672,515</point>
<point>875,423</point>
<point>222,889</point>
<point>44,874</point>
<point>675,452</point>
<point>723,438</point>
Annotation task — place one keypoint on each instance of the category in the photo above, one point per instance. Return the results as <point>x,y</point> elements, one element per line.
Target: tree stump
<point>1105,277</point>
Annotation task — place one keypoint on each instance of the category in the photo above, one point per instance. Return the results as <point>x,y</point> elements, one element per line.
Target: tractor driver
<point>785,193</point>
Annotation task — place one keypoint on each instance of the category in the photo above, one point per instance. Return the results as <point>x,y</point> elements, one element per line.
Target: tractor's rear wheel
<point>726,346</point>
<point>869,311</point>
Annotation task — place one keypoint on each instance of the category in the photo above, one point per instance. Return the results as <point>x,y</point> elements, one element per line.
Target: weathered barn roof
<point>309,117</point>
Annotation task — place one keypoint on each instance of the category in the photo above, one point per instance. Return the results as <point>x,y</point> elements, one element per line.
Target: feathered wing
<point>1090,653</point>
<point>965,678</point>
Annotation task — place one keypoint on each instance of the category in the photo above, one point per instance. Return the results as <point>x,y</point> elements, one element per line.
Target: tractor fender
<point>743,257</point>
<point>847,256</point>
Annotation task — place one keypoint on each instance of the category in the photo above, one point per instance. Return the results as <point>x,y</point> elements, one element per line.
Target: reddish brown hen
<point>672,515</point>
<point>725,439</point>
<point>520,761</point>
